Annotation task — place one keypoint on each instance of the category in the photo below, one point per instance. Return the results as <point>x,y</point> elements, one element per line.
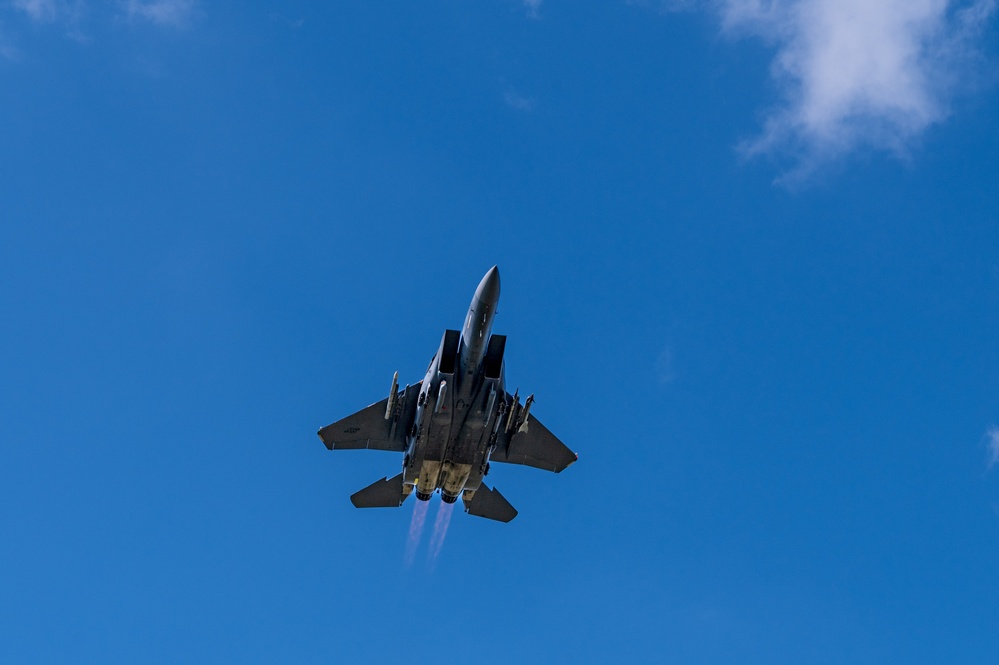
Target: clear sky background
<point>750,268</point>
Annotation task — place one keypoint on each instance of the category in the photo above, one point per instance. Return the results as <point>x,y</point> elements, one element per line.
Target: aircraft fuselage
<point>459,407</point>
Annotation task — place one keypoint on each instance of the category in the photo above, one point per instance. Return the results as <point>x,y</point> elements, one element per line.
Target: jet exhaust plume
<point>415,530</point>
<point>440,530</point>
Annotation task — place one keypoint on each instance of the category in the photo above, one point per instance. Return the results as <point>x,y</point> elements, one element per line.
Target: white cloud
<point>532,7</point>
<point>857,73</point>
<point>992,443</point>
<point>174,13</point>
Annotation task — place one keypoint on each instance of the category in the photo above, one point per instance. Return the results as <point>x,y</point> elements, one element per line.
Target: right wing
<point>536,447</point>
<point>368,428</point>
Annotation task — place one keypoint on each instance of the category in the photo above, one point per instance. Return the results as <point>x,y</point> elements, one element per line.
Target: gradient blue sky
<point>750,268</point>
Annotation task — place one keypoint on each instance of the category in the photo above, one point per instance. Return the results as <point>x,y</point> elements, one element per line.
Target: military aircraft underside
<point>453,423</point>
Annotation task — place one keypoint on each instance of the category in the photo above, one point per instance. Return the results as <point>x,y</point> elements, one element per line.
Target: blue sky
<point>750,269</point>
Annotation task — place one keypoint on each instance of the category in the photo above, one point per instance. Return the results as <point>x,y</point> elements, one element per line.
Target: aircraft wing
<point>368,429</point>
<point>536,447</point>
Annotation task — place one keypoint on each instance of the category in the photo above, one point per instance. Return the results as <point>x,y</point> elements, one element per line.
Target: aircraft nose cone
<point>489,287</point>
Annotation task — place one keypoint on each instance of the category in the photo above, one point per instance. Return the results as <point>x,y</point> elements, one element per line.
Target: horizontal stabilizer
<point>491,505</point>
<point>384,493</point>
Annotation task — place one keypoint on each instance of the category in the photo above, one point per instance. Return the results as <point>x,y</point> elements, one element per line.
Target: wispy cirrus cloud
<point>50,11</point>
<point>71,14</point>
<point>517,101</point>
<point>665,366</point>
<point>992,445</point>
<point>7,49</point>
<point>854,74</point>
<point>39,10</point>
<point>68,14</point>
<point>173,13</point>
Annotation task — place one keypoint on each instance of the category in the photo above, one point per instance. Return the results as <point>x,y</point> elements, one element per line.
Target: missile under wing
<point>453,423</point>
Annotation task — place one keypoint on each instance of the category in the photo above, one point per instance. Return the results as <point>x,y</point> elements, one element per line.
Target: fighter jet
<point>453,423</point>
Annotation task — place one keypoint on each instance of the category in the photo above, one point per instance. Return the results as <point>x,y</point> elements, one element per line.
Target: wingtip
<point>328,444</point>
<point>575,458</point>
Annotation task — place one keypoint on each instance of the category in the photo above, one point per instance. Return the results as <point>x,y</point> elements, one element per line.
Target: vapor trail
<point>415,530</point>
<point>440,530</point>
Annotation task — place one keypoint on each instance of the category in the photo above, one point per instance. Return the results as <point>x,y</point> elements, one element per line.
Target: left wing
<point>368,428</point>
<point>536,447</point>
